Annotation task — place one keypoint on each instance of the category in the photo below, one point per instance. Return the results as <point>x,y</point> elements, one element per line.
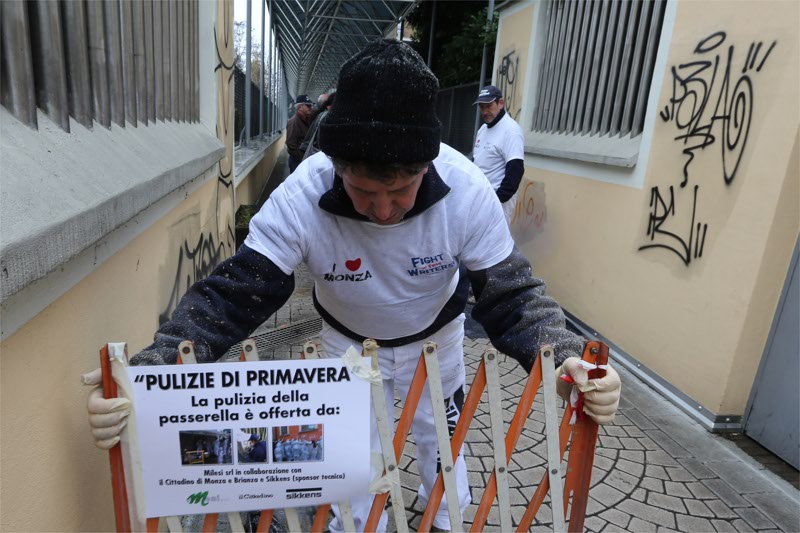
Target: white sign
<point>249,436</point>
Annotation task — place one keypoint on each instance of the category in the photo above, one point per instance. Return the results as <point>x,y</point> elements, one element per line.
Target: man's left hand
<point>600,396</point>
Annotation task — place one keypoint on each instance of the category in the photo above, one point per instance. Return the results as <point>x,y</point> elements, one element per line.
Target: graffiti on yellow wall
<point>203,247</point>
<point>711,106</point>
<point>508,82</point>
<point>530,213</point>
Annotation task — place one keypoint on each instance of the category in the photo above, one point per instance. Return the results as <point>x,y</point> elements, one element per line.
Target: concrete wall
<point>253,183</point>
<point>52,478</point>
<point>696,311</point>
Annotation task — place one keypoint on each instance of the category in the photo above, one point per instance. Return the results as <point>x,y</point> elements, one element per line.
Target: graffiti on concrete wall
<point>196,261</point>
<point>711,106</point>
<point>223,42</point>
<point>530,213</point>
<point>507,82</point>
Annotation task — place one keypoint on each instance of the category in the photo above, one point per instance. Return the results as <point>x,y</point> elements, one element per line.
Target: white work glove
<point>107,417</point>
<point>600,396</point>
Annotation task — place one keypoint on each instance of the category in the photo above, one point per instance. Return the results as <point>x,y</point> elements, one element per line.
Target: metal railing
<point>457,114</point>
<point>270,110</point>
<point>115,61</point>
<point>597,67</point>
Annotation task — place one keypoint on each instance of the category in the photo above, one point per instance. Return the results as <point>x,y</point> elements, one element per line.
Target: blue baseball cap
<point>303,99</point>
<point>488,94</point>
<point>254,437</point>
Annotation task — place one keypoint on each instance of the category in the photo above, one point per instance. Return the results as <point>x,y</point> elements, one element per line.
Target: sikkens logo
<point>430,264</point>
<point>351,274</point>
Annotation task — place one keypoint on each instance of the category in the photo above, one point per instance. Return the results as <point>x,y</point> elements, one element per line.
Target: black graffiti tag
<point>686,243</point>
<point>706,103</point>
<point>711,102</point>
<point>194,264</point>
<point>507,77</point>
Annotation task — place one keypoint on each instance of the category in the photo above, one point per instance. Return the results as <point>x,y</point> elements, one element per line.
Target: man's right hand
<point>107,417</point>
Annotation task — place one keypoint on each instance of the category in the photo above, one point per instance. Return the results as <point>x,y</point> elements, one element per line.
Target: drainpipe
<point>262,69</point>
<point>430,38</point>
<point>247,91</point>
<point>489,17</point>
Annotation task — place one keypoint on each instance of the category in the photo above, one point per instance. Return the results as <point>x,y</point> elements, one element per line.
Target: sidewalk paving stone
<point>655,468</point>
<point>755,518</point>
<point>664,501</point>
<point>779,507</point>
<point>693,524</point>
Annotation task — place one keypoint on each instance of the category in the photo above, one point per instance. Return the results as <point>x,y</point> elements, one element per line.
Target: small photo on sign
<point>206,446</point>
<point>252,445</point>
<point>297,444</point>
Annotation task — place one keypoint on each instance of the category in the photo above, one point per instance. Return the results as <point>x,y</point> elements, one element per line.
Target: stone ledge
<point>62,192</point>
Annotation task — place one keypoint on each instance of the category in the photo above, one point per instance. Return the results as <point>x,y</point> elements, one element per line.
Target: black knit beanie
<point>385,110</point>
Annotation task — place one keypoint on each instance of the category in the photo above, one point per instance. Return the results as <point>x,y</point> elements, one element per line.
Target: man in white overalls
<point>393,227</point>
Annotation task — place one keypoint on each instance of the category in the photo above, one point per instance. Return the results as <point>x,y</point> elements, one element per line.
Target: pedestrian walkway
<point>655,469</point>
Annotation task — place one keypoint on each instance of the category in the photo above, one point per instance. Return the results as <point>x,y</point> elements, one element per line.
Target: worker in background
<point>310,145</point>
<point>499,148</point>
<point>398,212</point>
<point>296,130</point>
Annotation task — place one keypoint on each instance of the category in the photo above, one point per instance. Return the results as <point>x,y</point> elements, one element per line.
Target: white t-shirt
<point>496,146</point>
<point>383,282</point>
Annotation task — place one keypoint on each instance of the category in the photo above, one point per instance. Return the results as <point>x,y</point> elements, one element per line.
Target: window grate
<point>597,66</point>
<point>110,61</point>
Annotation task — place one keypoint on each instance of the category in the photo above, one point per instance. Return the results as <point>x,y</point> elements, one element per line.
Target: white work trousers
<point>397,368</point>
<point>508,208</point>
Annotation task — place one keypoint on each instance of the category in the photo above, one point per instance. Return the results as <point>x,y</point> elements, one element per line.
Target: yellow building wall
<point>511,57</point>
<point>250,188</point>
<point>696,310</point>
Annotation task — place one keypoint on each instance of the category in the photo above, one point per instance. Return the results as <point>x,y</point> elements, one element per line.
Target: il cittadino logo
<point>349,273</point>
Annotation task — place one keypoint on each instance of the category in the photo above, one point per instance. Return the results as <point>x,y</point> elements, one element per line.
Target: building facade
<point>119,190</point>
<point>660,196</point>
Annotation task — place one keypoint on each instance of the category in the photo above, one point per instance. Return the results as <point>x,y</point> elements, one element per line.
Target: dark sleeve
<point>222,309</point>
<point>514,171</point>
<point>294,139</point>
<point>516,313</point>
<point>291,133</point>
<point>311,140</point>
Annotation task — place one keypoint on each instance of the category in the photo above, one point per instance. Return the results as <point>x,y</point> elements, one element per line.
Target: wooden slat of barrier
<point>173,524</point>
<point>210,523</point>
<point>498,432</point>
<point>384,421</point>
<point>547,354</point>
<point>321,516</point>
<point>514,430</point>
<point>401,434</point>
<point>187,356</point>
<point>544,485</point>
<point>264,521</point>
<point>119,491</point>
<point>292,519</point>
<point>446,459</point>
<point>581,454</point>
<point>459,436</point>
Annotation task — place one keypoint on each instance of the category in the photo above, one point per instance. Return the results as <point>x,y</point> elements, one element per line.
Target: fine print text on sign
<point>246,436</point>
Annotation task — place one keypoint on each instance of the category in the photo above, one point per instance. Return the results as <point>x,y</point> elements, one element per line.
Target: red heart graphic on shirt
<point>353,265</point>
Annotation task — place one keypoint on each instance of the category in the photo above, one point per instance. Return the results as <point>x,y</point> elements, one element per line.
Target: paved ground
<point>655,469</point>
